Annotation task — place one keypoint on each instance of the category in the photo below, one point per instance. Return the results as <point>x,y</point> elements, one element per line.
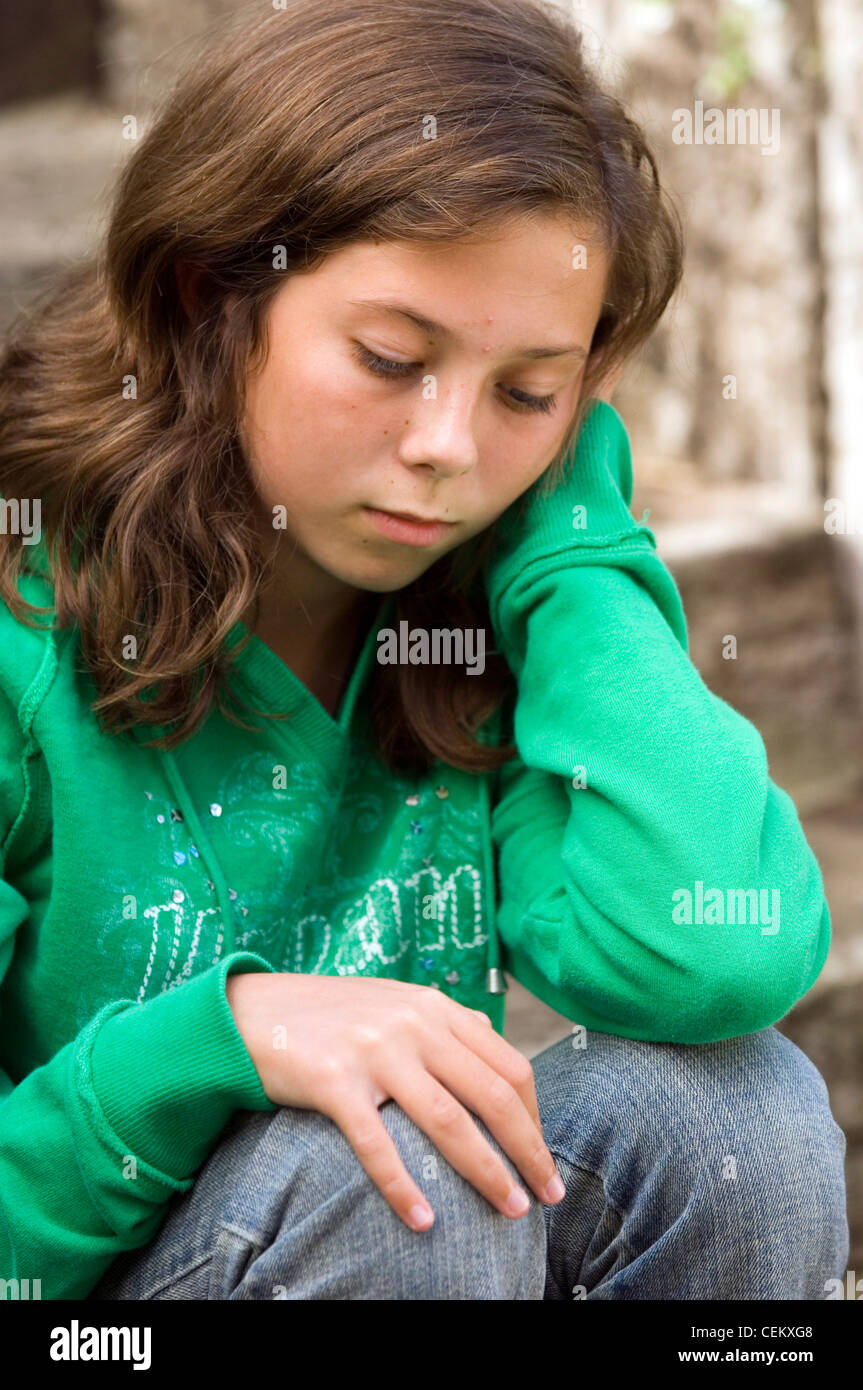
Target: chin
<point>379,576</point>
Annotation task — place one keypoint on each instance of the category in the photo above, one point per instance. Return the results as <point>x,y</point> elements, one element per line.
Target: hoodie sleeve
<point>654,881</point>
<point>96,1142</point>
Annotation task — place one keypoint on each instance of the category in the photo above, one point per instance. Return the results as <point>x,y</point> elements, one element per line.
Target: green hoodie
<point>616,868</point>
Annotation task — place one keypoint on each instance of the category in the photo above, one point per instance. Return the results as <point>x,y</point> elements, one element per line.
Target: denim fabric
<point>692,1172</point>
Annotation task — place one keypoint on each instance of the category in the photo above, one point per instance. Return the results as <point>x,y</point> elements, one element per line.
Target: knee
<point>759,1084</point>
<point>728,1146</point>
<point>476,1251</point>
<point>767,1098</point>
<point>753,1109</point>
<point>331,1233</point>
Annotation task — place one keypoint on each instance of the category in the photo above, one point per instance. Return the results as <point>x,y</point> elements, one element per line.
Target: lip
<point>412,516</point>
<point>407,529</point>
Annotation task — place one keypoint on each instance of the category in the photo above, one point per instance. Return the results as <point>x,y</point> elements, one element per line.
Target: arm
<point>95,1143</point>
<point>675,791</point>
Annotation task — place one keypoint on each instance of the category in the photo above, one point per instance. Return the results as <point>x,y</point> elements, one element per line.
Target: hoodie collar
<point>274,686</point>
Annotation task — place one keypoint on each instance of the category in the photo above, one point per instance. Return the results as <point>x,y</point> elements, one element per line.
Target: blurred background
<point>744,410</point>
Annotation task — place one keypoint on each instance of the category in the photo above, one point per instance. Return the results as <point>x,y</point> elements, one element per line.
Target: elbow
<point>754,986</point>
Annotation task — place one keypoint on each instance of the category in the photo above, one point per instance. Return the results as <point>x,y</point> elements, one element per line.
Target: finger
<point>435,1110</point>
<point>512,1065</point>
<point>365,1131</point>
<point>491,1096</point>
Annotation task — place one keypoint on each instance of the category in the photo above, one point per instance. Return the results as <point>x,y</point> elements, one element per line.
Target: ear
<point>188,278</point>
<point>606,386</point>
<point>606,371</point>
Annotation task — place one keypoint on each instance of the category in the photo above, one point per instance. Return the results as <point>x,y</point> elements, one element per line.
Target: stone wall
<point>147,42</point>
<point>48,48</point>
<point>840,150</point>
<point>750,304</point>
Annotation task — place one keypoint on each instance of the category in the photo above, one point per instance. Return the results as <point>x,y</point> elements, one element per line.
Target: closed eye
<point>386,367</point>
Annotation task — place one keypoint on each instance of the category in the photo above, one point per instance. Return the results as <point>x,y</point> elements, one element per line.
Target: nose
<point>439,436</point>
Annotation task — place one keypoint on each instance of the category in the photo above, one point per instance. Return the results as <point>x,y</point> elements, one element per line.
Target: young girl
<point>338,681</point>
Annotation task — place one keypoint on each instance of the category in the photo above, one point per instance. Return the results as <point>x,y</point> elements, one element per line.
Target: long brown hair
<point>303,130</point>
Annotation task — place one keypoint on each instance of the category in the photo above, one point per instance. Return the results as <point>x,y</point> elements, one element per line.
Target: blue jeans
<point>692,1172</point>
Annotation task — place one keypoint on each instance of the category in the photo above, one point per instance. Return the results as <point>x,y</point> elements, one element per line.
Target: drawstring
<point>495,979</point>
<point>207,853</point>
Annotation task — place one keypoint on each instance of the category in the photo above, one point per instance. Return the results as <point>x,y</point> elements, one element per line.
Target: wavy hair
<point>301,129</point>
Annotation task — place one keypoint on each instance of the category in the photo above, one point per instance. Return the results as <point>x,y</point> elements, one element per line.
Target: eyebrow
<point>431,326</point>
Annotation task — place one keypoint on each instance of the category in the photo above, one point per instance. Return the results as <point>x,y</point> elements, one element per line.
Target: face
<point>448,407</point>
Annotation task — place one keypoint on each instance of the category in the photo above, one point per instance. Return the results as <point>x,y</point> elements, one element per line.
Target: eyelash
<point>385,367</point>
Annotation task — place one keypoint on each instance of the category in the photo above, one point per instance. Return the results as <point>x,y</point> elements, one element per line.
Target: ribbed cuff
<point>169,1073</point>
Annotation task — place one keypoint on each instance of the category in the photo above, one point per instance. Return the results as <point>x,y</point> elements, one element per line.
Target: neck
<point>306,615</point>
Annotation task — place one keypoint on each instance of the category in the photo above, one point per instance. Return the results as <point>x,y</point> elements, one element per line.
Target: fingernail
<point>555,1189</point>
<point>517,1203</point>
<point>420,1216</point>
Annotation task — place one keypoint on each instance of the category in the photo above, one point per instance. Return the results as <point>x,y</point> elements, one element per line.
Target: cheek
<point>289,411</point>
<point>326,403</point>
<point>515,475</point>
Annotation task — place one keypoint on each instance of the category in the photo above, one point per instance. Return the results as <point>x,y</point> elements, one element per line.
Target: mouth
<point>423,520</point>
<point>408,528</point>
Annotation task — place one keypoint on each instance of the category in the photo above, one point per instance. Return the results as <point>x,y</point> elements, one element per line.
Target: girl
<point>337,385</point>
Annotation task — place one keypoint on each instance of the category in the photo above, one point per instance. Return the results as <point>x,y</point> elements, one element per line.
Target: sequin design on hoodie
<point>381,878</point>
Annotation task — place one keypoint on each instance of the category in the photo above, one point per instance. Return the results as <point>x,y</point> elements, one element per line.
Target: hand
<point>343,1046</point>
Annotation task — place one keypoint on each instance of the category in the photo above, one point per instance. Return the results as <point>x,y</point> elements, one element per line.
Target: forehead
<point>543,275</point>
